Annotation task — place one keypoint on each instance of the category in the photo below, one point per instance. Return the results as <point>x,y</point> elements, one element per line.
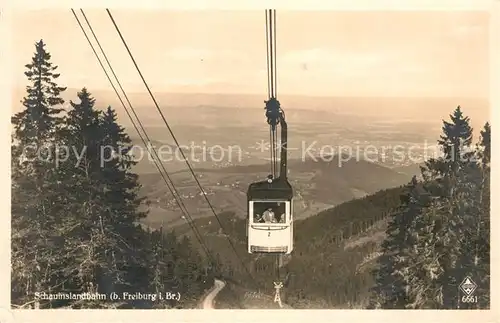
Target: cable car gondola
<point>270,202</point>
<point>275,236</point>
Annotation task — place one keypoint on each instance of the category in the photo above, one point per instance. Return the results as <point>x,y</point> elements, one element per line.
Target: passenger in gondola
<point>280,218</point>
<point>258,218</point>
<point>268,215</point>
<point>280,214</point>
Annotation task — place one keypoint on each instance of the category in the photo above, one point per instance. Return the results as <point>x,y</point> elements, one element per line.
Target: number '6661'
<point>469,299</point>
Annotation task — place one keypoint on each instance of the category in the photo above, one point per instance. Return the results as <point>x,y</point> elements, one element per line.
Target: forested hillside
<point>318,185</point>
<point>441,234</point>
<point>322,252</point>
<point>75,208</point>
<point>406,247</point>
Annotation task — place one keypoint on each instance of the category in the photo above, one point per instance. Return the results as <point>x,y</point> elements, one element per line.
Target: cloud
<point>325,58</point>
<point>201,53</point>
<point>188,53</point>
<point>468,30</point>
<point>376,71</point>
<point>338,63</point>
<point>202,67</point>
<point>192,81</point>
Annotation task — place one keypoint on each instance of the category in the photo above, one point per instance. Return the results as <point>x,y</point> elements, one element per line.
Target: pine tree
<point>425,289</point>
<point>452,179</point>
<point>86,239</point>
<point>399,254</point>
<point>122,196</point>
<point>109,254</point>
<point>157,265</point>
<point>38,122</point>
<point>218,265</point>
<point>182,268</point>
<point>75,218</point>
<point>481,234</point>
<point>36,189</point>
<point>435,252</point>
<point>171,256</point>
<point>485,144</point>
<point>194,266</point>
<point>116,163</point>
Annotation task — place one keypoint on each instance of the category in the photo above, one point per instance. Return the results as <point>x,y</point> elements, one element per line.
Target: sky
<point>319,53</point>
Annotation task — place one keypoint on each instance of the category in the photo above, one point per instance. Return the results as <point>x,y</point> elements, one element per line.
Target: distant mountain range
<point>331,181</point>
<point>410,170</point>
<point>317,185</point>
<point>386,107</point>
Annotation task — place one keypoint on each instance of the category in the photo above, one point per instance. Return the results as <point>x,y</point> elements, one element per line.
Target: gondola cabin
<point>270,217</point>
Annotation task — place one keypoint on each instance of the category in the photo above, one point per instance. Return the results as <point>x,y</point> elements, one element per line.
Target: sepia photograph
<point>250,159</point>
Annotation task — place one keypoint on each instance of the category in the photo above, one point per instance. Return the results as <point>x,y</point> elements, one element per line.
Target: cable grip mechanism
<point>272,112</point>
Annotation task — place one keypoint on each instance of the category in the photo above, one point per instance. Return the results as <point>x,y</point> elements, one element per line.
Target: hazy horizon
<point>329,53</point>
<point>345,63</point>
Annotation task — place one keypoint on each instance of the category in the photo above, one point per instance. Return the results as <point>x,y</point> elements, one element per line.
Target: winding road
<point>208,302</point>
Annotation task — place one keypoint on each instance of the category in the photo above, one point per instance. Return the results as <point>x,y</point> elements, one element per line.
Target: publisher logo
<point>468,286</point>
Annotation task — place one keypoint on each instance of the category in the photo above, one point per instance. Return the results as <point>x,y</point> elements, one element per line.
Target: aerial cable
<point>179,201</point>
<point>172,189</point>
<point>175,193</point>
<point>268,62</point>
<point>272,83</point>
<point>175,139</point>
<point>275,112</point>
<point>275,72</point>
<point>198,236</point>
<point>271,54</point>
<point>271,149</point>
<point>268,59</point>
<point>275,85</point>
<point>269,51</point>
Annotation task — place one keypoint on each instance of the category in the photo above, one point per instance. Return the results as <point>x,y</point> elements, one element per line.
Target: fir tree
<point>481,234</point>
<point>75,223</point>
<point>456,144</point>
<point>121,192</point>
<point>85,225</point>
<point>36,191</point>
<point>399,253</point>
<point>157,265</point>
<point>453,180</point>
<point>110,254</point>
<point>424,261</point>
<point>425,289</point>
<point>38,122</point>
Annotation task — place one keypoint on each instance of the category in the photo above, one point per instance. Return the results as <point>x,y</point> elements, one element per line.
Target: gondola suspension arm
<point>275,116</point>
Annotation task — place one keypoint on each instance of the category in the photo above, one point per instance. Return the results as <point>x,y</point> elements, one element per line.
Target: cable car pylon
<point>277,297</point>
